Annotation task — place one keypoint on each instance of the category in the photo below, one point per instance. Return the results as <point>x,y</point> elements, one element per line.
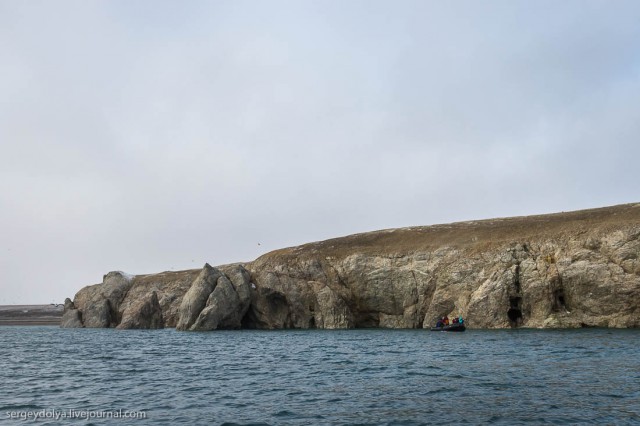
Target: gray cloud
<point>161,135</point>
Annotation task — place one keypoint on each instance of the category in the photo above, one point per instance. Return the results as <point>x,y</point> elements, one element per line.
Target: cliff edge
<point>575,269</point>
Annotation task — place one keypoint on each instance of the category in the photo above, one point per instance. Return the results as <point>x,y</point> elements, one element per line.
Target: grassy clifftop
<point>481,233</point>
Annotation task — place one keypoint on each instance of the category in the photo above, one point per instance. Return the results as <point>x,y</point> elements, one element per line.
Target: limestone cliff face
<point>215,300</point>
<point>96,305</point>
<point>564,270</point>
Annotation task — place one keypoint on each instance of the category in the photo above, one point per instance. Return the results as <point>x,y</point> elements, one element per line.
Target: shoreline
<point>31,314</point>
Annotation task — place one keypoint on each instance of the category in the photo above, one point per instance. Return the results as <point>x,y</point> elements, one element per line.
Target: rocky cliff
<point>577,269</point>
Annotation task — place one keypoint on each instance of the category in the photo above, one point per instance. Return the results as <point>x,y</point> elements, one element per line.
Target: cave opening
<point>515,315</point>
<point>367,319</point>
<point>515,311</point>
<point>559,300</point>
<point>249,320</point>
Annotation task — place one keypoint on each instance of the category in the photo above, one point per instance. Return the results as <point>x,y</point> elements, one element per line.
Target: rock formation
<point>577,269</point>
<point>215,300</point>
<point>71,317</point>
<point>196,298</point>
<point>226,304</point>
<point>99,304</point>
<point>143,313</point>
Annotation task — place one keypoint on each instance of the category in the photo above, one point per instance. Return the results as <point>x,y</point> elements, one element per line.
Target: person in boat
<point>445,320</point>
<point>440,323</point>
<point>455,320</point>
<point>460,320</point>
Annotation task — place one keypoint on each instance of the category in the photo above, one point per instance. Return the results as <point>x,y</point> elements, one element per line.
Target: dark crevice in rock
<point>515,316</point>
<point>367,319</point>
<point>249,321</point>
<point>559,301</point>
<point>558,296</point>
<point>107,317</point>
<point>415,282</point>
<point>269,310</point>
<point>420,314</point>
<point>515,311</point>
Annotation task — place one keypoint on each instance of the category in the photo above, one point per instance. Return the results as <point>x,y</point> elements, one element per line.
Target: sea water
<point>319,377</point>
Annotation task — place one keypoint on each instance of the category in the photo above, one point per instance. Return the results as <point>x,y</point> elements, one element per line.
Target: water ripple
<point>369,377</point>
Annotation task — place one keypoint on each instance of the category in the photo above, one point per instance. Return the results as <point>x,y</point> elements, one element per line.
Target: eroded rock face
<point>332,311</point>
<point>195,300</point>
<point>97,314</point>
<point>221,310</point>
<point>269,309</point>
<point>228,302</point>
<point>100,303</point>
<point>169,287</point>
<point>566,270</point>
<point>145,313</point>
<point>217,299</point>
<point>71,317</point>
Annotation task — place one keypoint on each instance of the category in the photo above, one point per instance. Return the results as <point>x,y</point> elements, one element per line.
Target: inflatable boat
<point>450,327</point>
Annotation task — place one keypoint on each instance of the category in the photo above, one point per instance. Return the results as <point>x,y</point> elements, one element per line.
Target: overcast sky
<point>151,135</point>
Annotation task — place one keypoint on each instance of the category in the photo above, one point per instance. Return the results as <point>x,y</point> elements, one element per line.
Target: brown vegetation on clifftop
<point>558,270</point>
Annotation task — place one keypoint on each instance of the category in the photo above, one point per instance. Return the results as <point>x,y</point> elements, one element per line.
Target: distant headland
<point>30,314</point>
<point>564,270</point>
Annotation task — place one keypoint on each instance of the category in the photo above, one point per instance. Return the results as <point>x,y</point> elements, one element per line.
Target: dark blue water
<point>316,377</point>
